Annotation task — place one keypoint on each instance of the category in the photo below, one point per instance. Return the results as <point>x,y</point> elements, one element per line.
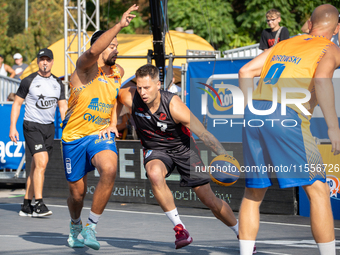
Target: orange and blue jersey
<point>292,64</point>
<point>90,106</point>
<point>285,145</point>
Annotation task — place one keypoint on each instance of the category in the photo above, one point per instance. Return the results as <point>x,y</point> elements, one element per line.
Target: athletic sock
<point>246,247</point>
<point>235,229</point>
<point>27,201</point>
<point>327,248</point>
<point>174,217</point>
<point>76,221</point>
<point>93,218</point>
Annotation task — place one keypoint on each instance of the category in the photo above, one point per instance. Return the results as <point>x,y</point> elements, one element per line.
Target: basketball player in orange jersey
<point>94,88</point>
<point>305,62</point>
<point>164,124</point>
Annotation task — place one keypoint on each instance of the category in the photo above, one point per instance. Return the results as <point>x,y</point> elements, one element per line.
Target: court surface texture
<point>144,229</point>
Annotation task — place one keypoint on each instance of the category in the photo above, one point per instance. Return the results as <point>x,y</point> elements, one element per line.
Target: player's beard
<point>109,61</point>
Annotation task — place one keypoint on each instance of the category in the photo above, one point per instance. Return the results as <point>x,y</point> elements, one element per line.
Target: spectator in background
<point>11,96</point>
<point>335,38</point>
<point>19,66</point>
<point>5,69</point>
<point>274,34</point>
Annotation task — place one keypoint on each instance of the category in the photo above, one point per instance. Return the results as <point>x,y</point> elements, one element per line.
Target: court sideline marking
<point>182,215</point>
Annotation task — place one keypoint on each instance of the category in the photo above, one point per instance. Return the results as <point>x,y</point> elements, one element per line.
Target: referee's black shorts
<point>39,137</point>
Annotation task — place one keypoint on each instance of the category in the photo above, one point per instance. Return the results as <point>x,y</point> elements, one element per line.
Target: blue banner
<point>11,153</point>
<point>210,89</point>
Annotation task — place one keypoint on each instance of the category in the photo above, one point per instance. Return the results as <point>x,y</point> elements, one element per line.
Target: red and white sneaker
<point>183,237</point>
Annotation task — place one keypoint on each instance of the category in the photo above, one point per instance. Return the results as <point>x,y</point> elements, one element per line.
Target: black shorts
<point>189,165</point>
<point>39,137</point>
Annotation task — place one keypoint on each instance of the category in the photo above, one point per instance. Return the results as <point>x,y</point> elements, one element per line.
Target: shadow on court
<point>140,229</point>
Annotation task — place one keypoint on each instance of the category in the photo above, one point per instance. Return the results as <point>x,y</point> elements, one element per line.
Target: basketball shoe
<point>73,240</point>
<point>183,237</point>
<point>89,235</point>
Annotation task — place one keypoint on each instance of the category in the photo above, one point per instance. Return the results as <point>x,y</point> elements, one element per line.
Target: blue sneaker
<point>73,240</point>
<point>89,237</point>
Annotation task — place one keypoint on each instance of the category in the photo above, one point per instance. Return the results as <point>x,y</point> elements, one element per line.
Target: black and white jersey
<point>158,131</point>
<point>42,96</point>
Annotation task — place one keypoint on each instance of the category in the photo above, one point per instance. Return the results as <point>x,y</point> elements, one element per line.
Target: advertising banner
<point>215,93</point>
<point>332,166</point>
<point>10,153</point>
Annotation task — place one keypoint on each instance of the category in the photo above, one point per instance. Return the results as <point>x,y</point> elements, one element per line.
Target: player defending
<point>95,85</point>
<point>163,124</point>
<point>312,60</point>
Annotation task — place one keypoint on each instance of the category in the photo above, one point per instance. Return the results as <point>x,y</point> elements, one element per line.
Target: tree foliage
<point>225,24</point>
<point>45,26</point>
<point>112,11</point>
<point>211,20</point>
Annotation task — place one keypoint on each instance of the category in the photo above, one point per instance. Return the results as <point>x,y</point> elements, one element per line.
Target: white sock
<point>235,229</point>
<point>247,247</point>
<point>327,248</point>
<point>93,218</point>
<point>174,217</point>
<point>76,221</point>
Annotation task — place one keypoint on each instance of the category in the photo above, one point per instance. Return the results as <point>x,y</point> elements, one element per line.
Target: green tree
<point>211,20</point>
<point>251,15</point>
<point>112,11</point>
<point>45,26</point>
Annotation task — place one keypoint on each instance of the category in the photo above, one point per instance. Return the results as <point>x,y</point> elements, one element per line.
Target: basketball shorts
<point>280,145</point>
<point>187,162</point>
<point>77,154</point>
<point>39,137</point>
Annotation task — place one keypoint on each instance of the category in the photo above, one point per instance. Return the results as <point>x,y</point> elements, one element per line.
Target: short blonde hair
<point>273,12</point>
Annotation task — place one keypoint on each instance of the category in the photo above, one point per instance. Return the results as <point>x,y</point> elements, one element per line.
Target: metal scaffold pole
<point>76,23</point>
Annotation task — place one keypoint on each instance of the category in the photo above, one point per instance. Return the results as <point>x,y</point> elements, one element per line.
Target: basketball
<point>224,170</point>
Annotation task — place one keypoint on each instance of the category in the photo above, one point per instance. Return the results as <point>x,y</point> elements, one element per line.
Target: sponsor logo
<point>109,142</point>
<point>142,115</point>
<point>96,119</point>
<point>38,146</point>
<point>68,165</point>
<point>148,153</point>
<point>98,106</point>
<point>38,86</point>
<point>45,102</point>
<point>162,116</point>
<point>102,80</point>
<point>334,185</point>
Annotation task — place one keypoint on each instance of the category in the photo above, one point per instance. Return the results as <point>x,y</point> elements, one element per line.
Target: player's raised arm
<point>325,94</point>
<point>181,114</point>
<point>88,60</point>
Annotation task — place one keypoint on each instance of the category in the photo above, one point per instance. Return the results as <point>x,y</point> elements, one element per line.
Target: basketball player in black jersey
<point>164,124</point>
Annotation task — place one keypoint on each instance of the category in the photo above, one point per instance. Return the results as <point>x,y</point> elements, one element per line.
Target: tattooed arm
<point>181,114</point>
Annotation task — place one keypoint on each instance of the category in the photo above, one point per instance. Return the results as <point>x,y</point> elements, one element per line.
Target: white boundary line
<point>187,216</point>
<point>225,248</point>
